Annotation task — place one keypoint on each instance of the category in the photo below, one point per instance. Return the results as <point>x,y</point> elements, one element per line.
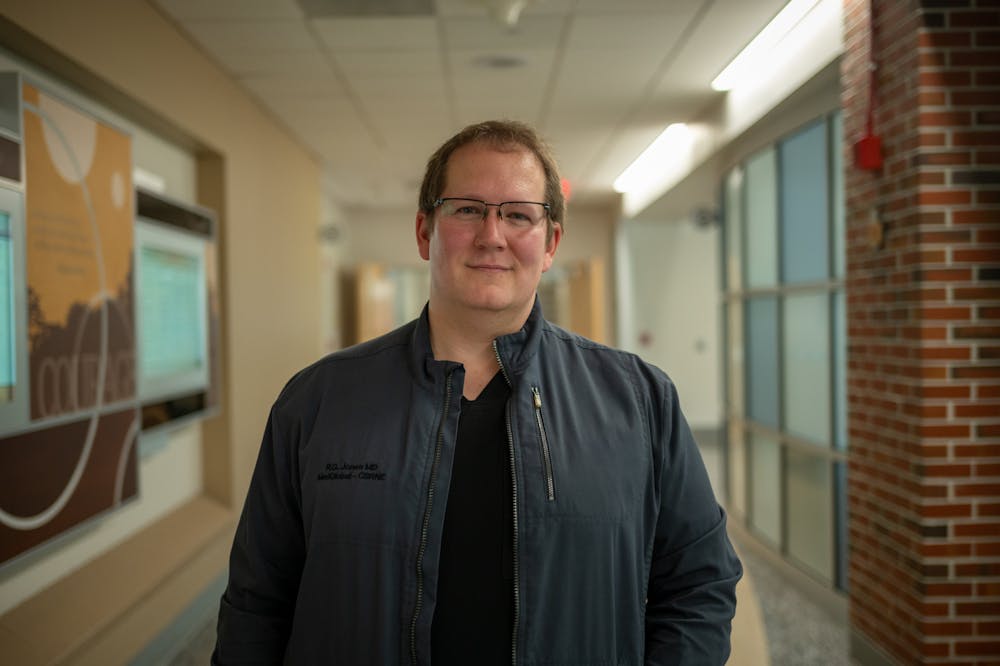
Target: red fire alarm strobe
<point>868,152</point>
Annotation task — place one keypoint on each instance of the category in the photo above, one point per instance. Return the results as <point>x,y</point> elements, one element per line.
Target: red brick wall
<point>924,330</point>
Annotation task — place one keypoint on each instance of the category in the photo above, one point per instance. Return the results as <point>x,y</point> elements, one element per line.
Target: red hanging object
<point>868,149</point>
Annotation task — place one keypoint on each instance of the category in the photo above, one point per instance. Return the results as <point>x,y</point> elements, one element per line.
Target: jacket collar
<point>516,349</point>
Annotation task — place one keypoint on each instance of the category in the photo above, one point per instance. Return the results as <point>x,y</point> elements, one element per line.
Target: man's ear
<point>424,231</point>
<point>551,245</point>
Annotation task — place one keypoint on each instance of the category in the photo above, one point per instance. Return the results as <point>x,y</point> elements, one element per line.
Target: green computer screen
<point>172,312</point>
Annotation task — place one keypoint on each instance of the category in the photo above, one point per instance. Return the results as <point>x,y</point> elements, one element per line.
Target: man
<point>480,486</point>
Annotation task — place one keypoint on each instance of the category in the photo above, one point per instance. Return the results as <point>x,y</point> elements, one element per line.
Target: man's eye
<point>469,210</point>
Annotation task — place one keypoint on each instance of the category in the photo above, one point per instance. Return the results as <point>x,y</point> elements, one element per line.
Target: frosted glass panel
<point>837,192</point>
<point>805,206</point>
<point>810,512</point>
<point>733,204</point>
<point>762,220</point>
<point>762,360</point>
<point>806,384</point>
<point>734,339</point>
<point>839,371</point>
<point>765,500</point>
<point>737,499</point>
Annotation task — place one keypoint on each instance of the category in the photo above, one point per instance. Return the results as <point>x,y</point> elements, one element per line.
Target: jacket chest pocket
<point>577,466</point>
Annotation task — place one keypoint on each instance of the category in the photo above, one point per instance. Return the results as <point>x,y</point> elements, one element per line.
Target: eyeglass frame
<point>486,205</point>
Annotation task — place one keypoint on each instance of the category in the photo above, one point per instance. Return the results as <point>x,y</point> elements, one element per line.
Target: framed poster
<point>70,418</point>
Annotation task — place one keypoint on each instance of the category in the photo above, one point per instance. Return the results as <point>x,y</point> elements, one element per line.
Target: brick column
<point>923,292</point>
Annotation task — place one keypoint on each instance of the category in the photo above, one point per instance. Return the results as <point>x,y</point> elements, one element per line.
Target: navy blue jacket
<point>621,552</point>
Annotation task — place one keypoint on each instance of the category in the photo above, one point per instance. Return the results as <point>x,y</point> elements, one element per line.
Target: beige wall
<point>126,56</point>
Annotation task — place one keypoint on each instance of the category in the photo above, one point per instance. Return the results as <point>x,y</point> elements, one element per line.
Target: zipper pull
<point>537,397</point>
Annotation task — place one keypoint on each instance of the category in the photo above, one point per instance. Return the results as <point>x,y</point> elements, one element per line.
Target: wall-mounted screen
<point>6,310</point>
<point>177,310</point>
<point>171,304</point>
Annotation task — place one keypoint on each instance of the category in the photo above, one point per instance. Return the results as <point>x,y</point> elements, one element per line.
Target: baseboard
<point>108,610</point>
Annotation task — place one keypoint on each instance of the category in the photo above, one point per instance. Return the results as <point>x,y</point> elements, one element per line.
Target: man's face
<point>490,265</point>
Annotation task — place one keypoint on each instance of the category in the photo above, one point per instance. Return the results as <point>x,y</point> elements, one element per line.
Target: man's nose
<point>491,231</point>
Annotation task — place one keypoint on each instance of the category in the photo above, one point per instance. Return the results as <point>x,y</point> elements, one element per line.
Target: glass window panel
<point>734,340</point>
<point>762,359</point>
<point>805,205</point>
<point>737,489</point>
<point>810,512</point>
<point>806,369</point>
<point>837,192</point>
<point>6,312</point>
<point>839,371</point>
<point>761,180</point>
<point>733,205</point>
<point>765,484</point>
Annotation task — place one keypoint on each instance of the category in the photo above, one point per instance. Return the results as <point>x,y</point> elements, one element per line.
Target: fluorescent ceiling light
<point>754,58</point>
<point>647,170</point>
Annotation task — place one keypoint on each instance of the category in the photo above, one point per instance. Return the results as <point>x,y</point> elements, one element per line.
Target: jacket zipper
<point>550,485</point>
<point>427,519</point>
<point>513,488</point>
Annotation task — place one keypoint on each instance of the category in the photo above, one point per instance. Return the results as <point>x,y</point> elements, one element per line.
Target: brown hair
<point>504,135</point>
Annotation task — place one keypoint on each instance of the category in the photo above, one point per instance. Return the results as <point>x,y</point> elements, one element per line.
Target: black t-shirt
<point>473,619</point>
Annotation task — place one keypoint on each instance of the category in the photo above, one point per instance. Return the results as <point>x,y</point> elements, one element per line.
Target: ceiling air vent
<point>325,8</point>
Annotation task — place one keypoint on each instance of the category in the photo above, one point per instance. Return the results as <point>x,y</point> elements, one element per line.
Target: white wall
<point>672,276</point>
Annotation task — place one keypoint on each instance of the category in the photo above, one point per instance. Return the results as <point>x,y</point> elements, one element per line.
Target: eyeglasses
<point>515,213</point>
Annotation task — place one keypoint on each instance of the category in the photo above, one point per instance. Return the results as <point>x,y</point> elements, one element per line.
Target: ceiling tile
<point>376,64</point>
<point>329,114</point>
<point>291,63</point>
<point>462,33</point>
<point>294,86</point>
<point>638,33</point>
<point>400,91</point>
<point>185,10</point>
<point>624,81</point>
<point>377,34</point>
<point>251,36</point>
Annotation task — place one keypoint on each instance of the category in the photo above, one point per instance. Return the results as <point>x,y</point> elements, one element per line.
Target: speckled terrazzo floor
<point>799,632</point>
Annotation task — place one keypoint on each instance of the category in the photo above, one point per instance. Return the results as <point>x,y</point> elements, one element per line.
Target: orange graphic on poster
<point>79,241</point>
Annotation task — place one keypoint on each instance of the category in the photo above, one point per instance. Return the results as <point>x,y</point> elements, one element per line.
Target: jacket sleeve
<point>265,564</point>
<point>691,596</point>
